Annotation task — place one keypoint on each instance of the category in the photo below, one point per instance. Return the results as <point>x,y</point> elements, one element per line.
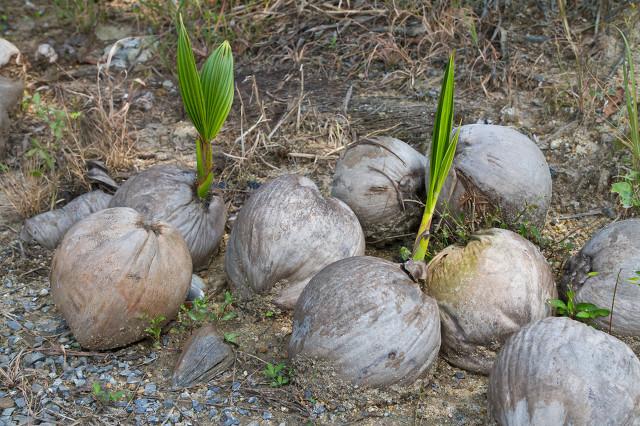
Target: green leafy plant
<point>201,310</point>
<point>105,396</point>
<point>278,374</point>
<point>585,312</point>
<point>443,148</point>
<point>155,329</point>
<point>231,338</point>
<point>207,96</point>
<point>223,312</point>
<point>628,189</point>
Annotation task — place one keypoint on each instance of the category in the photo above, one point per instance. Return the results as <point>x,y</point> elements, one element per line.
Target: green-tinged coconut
<point>114,272</point>
<point>608,264</point>
<point>285,233</point>
<point>486,290</point>
<point>370,320</point>
<point>561,372</point>
<point>167,193</point>
<point>382,180</point>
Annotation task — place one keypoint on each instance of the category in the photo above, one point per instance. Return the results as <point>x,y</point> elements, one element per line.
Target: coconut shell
<point>48,228</point>
<point>382,180</point>
<point>367,317</point>
<point>166,193</point>
<point>486,291</point>
<point>499,170</point>
<point>114,272</point>
<point>10,95</point>
<point>560,372</point>
<point>204,356</point>
<point>614,253</point>
<point>285,233</point>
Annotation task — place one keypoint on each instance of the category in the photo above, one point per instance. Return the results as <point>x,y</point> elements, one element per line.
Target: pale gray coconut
<point>167,193</point>
<point>486,291</point>
<point>367,317</point>
<point>48,228</point>
<point>498,169</point>
<point>611,255</point>
<point>382,180</point>
<point>560,372</point>
<point>285,233</point>
<point>10,95</point>
<point>114,272</point>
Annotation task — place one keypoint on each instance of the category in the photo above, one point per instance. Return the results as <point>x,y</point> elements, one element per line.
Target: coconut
<point>48,228</point>
<point>559,371</point>
<point>486,291</point>
<point>382,180</point>
<point>609,264</point>
<point>370,320</point>
<point>166,193</point>
<point>285,233</point>
<point>114,272</point>
<point>499,170</point>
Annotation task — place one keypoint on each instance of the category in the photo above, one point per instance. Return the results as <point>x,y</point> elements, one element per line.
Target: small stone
<point>43,292</point>
<point>243,412</point>
<point>35,388</point>
<point>213,412</point>
<point>235,386</point>
<point>32,358</point>
<point>150,389</point>
<point>459,375</point>
<point>196,291</point>
<point>230,421</point>
<point>6,403</point>
<point>267,415</point>
<point>252,400</point>
<point>167,403</point>
<point>197,407</point>
<point>20,402</point>
<point>7,412</point>
<point>14,325</point>
<point>47,52</point>
<point>318,409</point>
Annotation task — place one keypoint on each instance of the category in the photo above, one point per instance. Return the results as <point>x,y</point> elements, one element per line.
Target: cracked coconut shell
<point>486,291</point>
<point>166,193</point>
<point>382,180</point>
<point>557,371</point>
<point>114,272</point>
<point>285,233</point>
<point>370,320</point>
<point>613,255</point>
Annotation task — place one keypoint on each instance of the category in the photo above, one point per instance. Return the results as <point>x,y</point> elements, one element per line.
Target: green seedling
<point>231,338</point>
<point>279,374</point>
<point>207,96</point>
<point>269,314</point>
<point>155,329</point>
<point>585,312</point>
<point>443,148</point>
<point>201,311</point>
<point>105,396</point>
<point>224,314</point>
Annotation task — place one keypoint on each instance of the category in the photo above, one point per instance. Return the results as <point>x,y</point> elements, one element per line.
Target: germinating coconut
<point>382,180</point>
<point>167,193</point>
<point>369,319</point>
<point>610,263</point>
<point>486,290</point>
<point>559,371</point>
<point>114,272</point>
<point>498,169</point>
<point>285,233</point>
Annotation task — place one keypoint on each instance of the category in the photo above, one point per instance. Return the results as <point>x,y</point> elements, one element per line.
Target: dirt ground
<point>312,78</point>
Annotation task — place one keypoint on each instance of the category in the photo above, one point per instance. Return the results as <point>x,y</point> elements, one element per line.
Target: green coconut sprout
<point>443,149</point>
<point>207,96</point>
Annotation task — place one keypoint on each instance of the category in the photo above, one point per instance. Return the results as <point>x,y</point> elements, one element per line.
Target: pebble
<point>235,386</point>
<point>459,375</point>
<point>47,52</point>
<point>14,325</point>
<point>32,358</point>
<point>213,412</point>
<point>267,415</point>
<point>150,389</point>
<point>252,400</point>
<point>20,402</point>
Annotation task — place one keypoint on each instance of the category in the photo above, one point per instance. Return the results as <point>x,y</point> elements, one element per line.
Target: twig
<point>613,300</point>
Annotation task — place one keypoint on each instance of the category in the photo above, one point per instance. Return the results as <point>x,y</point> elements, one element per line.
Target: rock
<point>48,228</point>
<point>560,371</point>
<point>196,290</point>
<point>47,53</point>
<point>382,180</point>
<point>366,317</point>
<point>107,32</point>
<point>7,51</point>
<point>10,95</point>
<point>285,233</point>
<point>611,256</point>
<point>204,356</point>
<point>130,51</point>
<point>486,291</point>
<point>114,272</point>
<point>166,193</point>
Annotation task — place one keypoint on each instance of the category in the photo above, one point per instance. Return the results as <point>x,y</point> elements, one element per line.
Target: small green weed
<point>155,329</point>
<point>278,374</point>
<point>231,338</point>
<point>106,396</point>
<point>584,312</point>
<point>202,310</point>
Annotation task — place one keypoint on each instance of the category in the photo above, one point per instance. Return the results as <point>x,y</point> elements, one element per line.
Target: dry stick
<point>613,300</point>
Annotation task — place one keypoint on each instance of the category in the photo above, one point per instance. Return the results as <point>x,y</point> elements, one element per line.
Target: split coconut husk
<point>166,193</point>
<point>382,180</point>
<point>285,233</point>
<point>48,228</point>
<point>486,291</point>
<point>366,317</point>
<point>608,264</point>
<point>559,371</point>
<point>114,272</point>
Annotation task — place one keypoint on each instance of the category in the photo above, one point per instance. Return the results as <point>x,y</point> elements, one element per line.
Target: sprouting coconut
<point>382,180</point>
<point>48,228</point>
<point>368,317</point>
<point>559,371</point>
<point>285,233</point>
<point>486,291</point>
<point>498,170</point>
<point>606,273</point>
<point>177,196</point>
<point>114,272</point>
